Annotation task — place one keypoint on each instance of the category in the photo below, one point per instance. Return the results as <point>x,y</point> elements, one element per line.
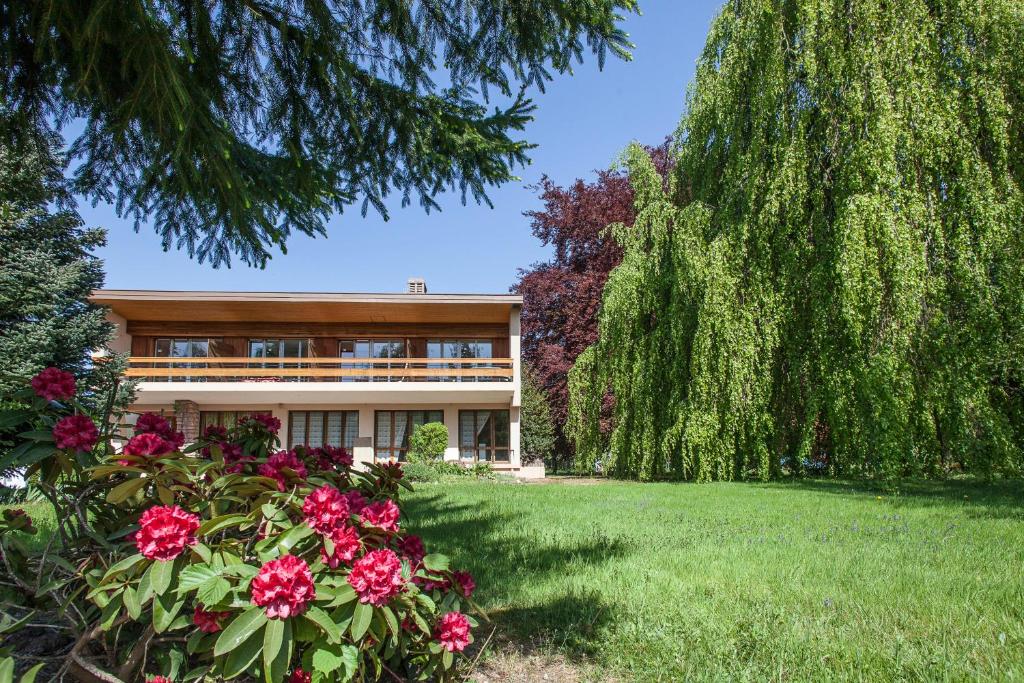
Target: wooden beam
<point>319,372</point>
<point>312,360</point>
<point>214,328</point>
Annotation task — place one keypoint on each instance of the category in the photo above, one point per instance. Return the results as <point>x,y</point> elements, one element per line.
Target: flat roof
<point>172,305</point>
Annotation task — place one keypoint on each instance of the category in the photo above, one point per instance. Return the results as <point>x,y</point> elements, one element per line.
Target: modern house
<point>354,370</point>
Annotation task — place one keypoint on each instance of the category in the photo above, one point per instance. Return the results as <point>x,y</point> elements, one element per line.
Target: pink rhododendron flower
<point>346,545</point>
<point>393,470</point>
<point>428,585</point>
<point>284,587</point>
<point>452,631</point>
<point>412,547</point>
<point>266,420</point>
<point>377,577</point>
<point>54,384</point>
<point>275,464</point>
<point>325,509</point>
<point>382,514</point>
<point>465,583</point>
<point>148,444</point>
<point>165,531</point>
<point>215,433</point>
<point>208,622</point>
<point>300,676</point>
<point>356,501</point>
<point>151,423</point>
<point>159,679</point>
<point>339,456</point>
<point>76,432</point>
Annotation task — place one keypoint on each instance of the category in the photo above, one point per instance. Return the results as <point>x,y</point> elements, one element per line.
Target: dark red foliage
<point>561,297</point>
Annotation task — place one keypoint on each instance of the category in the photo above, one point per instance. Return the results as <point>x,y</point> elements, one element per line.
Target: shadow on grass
<point>1000,499</point>
<point>505,561</point>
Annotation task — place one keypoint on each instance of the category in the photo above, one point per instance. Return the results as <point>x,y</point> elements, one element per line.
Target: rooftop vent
<point>417,285</point>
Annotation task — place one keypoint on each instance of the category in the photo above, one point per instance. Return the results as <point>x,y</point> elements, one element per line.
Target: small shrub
<point>481,470</point>
<point>428,442</point>
<point>449,468</point>
<point>420,472</point>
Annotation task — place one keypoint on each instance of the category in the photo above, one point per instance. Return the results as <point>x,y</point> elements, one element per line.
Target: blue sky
<point>582,123</point>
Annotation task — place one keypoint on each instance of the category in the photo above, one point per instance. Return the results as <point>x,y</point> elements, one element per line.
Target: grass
<point>804,581</point>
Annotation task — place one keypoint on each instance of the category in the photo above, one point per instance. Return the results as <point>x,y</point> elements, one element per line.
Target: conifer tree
<point>538,428</point>
<point>840,278</point>
<point>231,124</point>
<point>47,268</point>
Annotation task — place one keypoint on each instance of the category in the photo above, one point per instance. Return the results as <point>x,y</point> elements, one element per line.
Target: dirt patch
<point>507,661</point>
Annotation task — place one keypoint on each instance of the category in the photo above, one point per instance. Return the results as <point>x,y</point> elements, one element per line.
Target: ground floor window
<point>484,435</point>
<point>392,429</point>
<point>316,428</point>
<point>225,418</point>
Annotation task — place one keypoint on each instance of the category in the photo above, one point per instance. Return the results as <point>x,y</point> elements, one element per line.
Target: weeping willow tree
<point>834,274</point>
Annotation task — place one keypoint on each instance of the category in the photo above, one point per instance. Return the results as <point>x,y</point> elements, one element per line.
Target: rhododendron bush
<point>230,557</point>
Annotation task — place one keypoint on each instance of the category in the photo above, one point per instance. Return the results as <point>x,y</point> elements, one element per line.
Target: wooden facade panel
<point>248,330</point>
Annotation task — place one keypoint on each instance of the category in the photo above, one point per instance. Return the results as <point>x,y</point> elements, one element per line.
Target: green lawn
<point>745,581</point>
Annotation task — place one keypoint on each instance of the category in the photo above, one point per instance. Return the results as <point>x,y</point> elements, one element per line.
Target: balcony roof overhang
<point>310,307</point>
<point>325,393</point>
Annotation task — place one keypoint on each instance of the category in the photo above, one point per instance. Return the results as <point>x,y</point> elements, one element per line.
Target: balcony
<point>229,380</point>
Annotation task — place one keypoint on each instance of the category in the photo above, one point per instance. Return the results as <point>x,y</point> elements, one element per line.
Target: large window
<point>459,348</point>
<point>279,348</point>
<point>315,428</point>
<point>392,429</point>
<point>484,435</point>
<point>185,347</point>
<point>372,348</point>
<point>224,418</point>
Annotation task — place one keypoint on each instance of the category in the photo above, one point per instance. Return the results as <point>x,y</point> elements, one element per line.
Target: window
<point>315,428</point>
<point>185,347</point>
<point>280,348</point>
<point>484,435</point>
<point>372,348</point>
<point>392,428</point>
<point>224,418</point>
<point>459,348</point>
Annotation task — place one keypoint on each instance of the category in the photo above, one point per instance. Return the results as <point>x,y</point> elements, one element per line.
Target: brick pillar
<point>186,415</point>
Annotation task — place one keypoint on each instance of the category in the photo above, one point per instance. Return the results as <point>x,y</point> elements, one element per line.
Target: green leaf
<point>243,655</point>
<point>321,619</point>
<point>436,562</point>
<point>30,675</point>
<point>161,575</point>
<point>165,609</point>
<point>203,551</point>
<point>12,418</point>
<point>288,539</point>
<point>391,619</point>
<point>131,603</point>
<point>213,591</point>
<point>361,620</point>
<point>327,657</point>
<point>126,489</point>
<point>345,594</point>
<point>241,627</point>
<point>7,670</point>
<point>277,649</point>
<point>38,435</point>
<point>111,610</point>
<point>219,523</point>
<point>145,589</point>
<point>194,576</point>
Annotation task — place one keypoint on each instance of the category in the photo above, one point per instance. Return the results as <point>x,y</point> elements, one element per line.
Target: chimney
<point>417,285</point>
